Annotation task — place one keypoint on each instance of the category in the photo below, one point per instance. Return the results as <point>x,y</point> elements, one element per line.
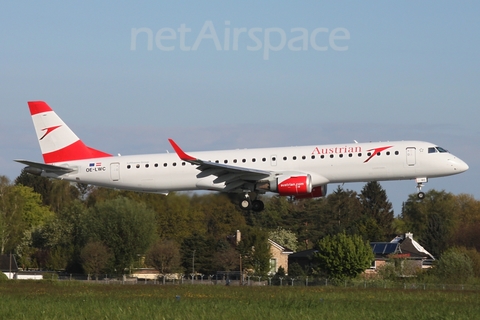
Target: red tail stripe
<point>38,107</point>
<point>75,151</point>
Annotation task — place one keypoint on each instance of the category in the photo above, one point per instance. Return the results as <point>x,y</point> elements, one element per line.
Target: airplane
<point>301,172</point>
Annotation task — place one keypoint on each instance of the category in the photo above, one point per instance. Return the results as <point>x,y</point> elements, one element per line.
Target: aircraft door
<point>411,156</point>
<point>115,171</point>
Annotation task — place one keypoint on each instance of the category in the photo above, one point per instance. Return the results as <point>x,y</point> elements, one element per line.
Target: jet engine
<point>317,192</point>
<point>294,185</point>
<point>299,186</point>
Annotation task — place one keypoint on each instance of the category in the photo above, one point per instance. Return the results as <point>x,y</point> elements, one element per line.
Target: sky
<point>126,76</point>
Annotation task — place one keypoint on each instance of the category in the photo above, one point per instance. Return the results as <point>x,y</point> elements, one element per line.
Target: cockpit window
<point>440,149</point>
<point>432,150</point>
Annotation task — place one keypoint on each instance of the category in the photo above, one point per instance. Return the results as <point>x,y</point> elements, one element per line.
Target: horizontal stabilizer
<point>46,167</point>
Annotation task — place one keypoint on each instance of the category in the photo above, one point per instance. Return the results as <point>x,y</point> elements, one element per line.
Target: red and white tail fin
<point>57,141</point>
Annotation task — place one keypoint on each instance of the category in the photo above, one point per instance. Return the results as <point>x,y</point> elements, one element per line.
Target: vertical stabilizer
<point>57,141</point>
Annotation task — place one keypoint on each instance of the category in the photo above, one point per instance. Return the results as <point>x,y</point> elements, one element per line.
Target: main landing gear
<point>420,182</point>
<point>256,205</point>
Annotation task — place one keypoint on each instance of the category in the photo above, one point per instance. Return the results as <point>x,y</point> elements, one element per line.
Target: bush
<point>3,276</point>
<point>295,270</point>
<point>474,255</point>
<point>399,269</point>
<point>455,266</point>
<point>343,256</point>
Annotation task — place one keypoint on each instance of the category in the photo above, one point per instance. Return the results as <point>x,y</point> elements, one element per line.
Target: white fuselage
<point>356,162</point>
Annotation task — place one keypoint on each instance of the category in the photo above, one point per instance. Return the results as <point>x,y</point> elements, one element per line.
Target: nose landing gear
<point>420,182</point>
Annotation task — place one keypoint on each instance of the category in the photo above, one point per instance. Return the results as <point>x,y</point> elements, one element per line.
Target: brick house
<point>279,257</point>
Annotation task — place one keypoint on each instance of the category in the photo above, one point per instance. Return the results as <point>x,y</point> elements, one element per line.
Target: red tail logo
<point>48,130</point>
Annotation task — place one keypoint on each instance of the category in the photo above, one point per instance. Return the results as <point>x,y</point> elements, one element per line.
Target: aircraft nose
<point>458,165</point>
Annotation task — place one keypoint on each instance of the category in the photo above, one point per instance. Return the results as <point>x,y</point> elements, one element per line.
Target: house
<point>401,247</point>
<point>279,254</point>
<point>8,265</point>
<point>279,257</point>
<point>304,259</point>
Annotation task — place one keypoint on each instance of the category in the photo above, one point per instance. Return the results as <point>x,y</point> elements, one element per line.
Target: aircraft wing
<point>233,177</point>
<point>45,167</point>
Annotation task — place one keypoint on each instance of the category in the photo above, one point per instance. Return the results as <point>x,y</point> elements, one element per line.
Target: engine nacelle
<point>294,185</point>
<point>317,192</point>
<point>299,186</point>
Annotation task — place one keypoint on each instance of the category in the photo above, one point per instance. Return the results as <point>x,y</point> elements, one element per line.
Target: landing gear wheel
<point>245,204</point>
<point>420,182</point>
<point>258,205</point>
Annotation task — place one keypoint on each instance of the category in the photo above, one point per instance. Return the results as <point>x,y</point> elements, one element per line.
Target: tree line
<point>55,225</point>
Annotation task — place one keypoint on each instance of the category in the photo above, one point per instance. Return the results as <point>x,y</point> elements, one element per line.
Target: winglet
<point>180,152</point>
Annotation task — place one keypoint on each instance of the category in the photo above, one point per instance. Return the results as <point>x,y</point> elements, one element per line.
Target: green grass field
<point>77,300</point>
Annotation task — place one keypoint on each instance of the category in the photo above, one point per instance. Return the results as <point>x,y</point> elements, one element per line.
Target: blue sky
<point>408,70</point>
